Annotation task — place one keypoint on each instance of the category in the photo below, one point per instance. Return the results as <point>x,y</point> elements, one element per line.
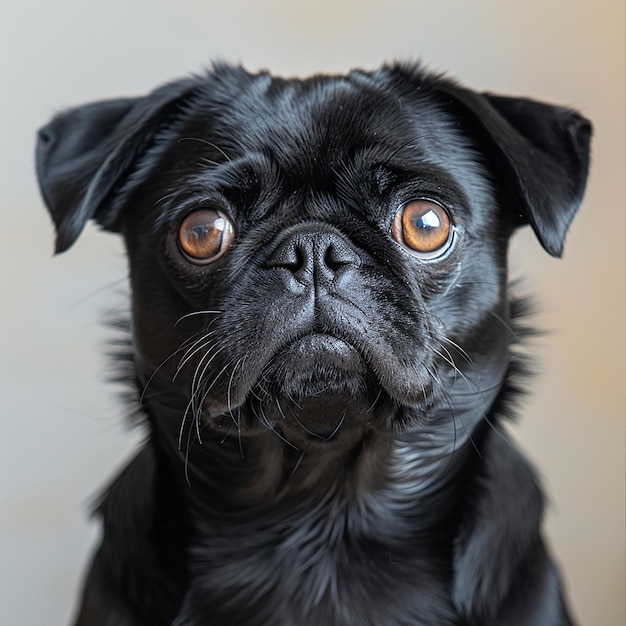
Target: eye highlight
<point>205,235</point>
<point>424,228</point>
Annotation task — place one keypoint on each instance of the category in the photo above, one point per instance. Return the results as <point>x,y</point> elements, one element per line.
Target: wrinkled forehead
<point>323,117</point>
<point>308,133</point>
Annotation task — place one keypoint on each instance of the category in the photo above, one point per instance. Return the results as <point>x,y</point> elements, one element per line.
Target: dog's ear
<point>539,151</point>
<point>86,153</point>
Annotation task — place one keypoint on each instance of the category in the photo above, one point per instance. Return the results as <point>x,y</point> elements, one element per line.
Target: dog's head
<point>318,257</point>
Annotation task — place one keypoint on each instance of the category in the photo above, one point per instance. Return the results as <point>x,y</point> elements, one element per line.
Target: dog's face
<point>341,248</point>
<point>320,257</point>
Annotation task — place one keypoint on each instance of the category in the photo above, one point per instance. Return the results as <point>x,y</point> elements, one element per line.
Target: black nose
<point>314,255</point>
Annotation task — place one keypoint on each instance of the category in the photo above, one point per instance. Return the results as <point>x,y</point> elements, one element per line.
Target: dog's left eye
<point>205,235</point>
<point>424,228</point>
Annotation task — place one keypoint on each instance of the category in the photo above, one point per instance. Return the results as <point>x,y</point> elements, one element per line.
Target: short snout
<point>314,256</point>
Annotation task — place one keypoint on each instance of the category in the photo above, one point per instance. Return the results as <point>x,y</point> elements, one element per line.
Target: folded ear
<point>539,151</point>
<point>86,153</point>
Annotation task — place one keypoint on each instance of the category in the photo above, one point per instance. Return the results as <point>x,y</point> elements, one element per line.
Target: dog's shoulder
<point>139,561</point>
<point>501,564</point>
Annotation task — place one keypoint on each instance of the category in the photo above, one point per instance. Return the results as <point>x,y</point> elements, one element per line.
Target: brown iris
<point>423,227</point>
<point>205,235</point>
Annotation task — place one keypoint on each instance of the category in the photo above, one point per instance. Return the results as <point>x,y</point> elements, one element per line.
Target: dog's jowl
<point>323,347</point>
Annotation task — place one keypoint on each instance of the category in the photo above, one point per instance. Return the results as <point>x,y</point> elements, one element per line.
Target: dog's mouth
<point>318,386</point>
<point>319,364</point>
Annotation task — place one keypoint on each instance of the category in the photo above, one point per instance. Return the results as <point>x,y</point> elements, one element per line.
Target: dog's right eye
<point>205,235</point>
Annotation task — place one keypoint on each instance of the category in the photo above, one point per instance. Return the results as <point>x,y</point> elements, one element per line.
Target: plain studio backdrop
<point>63,433</point>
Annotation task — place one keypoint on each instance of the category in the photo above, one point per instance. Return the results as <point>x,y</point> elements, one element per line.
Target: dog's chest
<point>335,564</point>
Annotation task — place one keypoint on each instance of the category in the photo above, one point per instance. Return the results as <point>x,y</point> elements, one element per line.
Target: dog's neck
<point>402,479</point>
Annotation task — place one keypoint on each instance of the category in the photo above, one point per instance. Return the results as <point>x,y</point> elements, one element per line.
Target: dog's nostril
<point>308,253</point>
<point>295,259</point>
<point>338,255</point>
<point>289,255</point>
<point>332,259</point>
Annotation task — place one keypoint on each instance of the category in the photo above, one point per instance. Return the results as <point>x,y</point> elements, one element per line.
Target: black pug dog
<point>322,346</point>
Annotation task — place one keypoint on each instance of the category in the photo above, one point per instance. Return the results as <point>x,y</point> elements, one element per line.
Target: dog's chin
<point>319,387</point>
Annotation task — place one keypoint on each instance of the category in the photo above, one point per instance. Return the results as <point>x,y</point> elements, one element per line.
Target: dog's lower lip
<point>316,341</point>
<point>329,348</point>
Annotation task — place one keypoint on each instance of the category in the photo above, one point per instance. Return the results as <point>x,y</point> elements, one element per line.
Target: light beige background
<point>62,432</point>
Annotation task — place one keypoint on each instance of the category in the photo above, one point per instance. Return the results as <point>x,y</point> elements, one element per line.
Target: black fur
<point>323,406</point>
